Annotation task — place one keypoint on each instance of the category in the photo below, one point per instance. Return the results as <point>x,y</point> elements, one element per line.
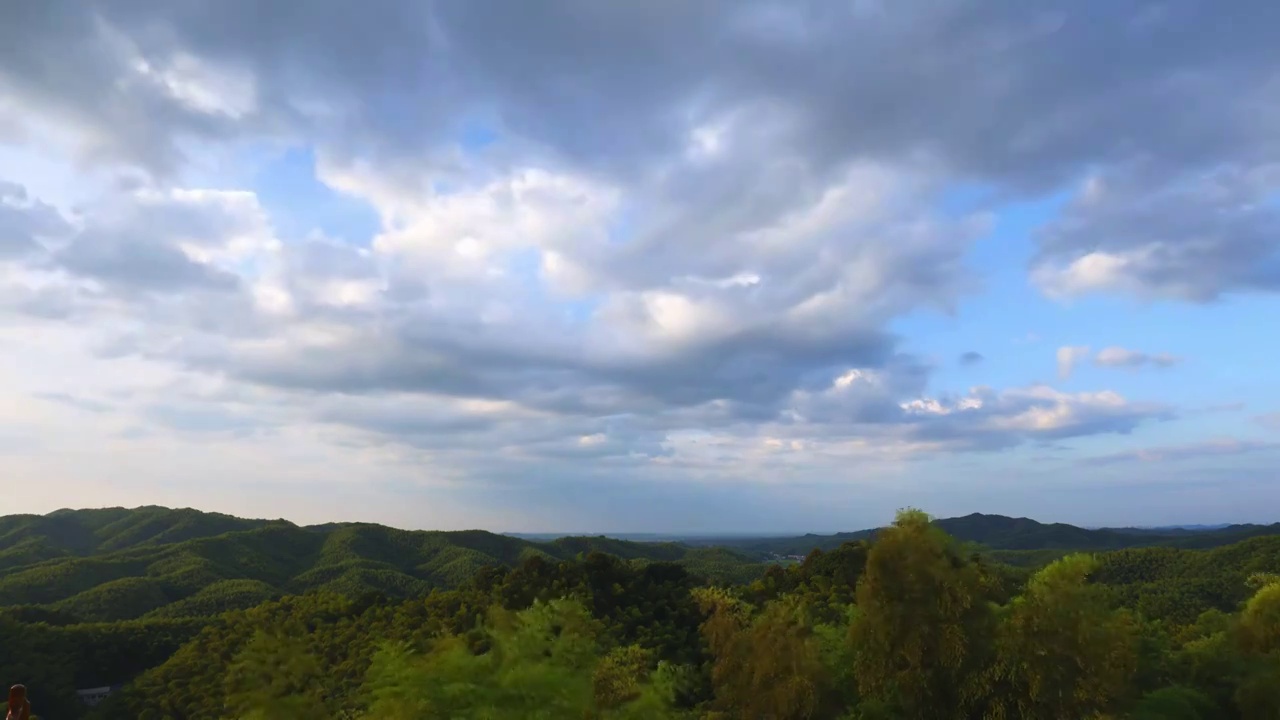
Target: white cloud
<point>1121,357</point>
<point>1068,357</point>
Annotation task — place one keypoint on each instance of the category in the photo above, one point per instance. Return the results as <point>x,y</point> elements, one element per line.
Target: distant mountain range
<point>154,562</point>
<point>998,532</point>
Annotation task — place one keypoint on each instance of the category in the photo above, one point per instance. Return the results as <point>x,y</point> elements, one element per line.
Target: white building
<point>93,696</point>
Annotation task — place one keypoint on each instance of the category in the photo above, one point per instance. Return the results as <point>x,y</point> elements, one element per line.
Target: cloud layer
<point>663,242</point>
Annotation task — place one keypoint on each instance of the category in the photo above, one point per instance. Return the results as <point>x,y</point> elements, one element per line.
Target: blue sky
<point>542,270</point>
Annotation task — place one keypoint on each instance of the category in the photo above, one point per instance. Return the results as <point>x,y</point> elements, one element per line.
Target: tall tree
<point>275,677</point>
<point>542,663</point>
<point>770,666</point>
<point>921,623</point>
<point>1258,632</point>
<point>1063,650</point>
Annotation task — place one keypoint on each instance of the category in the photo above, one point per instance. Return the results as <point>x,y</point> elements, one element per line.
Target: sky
<point>572,266</point>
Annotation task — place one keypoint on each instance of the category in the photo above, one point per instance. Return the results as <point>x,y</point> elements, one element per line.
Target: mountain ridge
<point>1001,532</point>
<point>121,564</point>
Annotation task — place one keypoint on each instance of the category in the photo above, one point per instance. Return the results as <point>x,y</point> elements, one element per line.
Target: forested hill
<point>155,562</point>
<point>118,564</point>
<point>352,621</point>
<point>998,532</point>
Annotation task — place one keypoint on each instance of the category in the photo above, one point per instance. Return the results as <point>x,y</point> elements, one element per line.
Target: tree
<point>1259,626</point>
<point>1258,633</point>
<point>921,624</point>
<point>1256,696</point>
<point>541,663</point>
<point>768,666</point>
<point>275,677</point>
<point>1175,703</point>
<point>619,678</point>
<point>1066,653</point>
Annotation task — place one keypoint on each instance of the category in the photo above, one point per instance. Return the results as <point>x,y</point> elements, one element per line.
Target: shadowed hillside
<point>118,564</point>
<point>29,539</point>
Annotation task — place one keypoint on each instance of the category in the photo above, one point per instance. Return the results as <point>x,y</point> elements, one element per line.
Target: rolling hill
<point>171,602</point>
<point>120,564</point>
<point>152,562</point>
<point>30,539</point>
<point>1001,533</point>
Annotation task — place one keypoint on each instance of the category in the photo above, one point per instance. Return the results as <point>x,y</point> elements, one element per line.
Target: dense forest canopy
<point>196,615</point>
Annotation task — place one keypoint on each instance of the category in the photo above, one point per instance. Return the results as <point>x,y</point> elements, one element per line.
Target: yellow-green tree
<point>922,625</point>
<point>275,677</point>
<point>1258,632</point>
<point>1064,652</point>
<point>769,665</point>
<point>543,663</point>
<point>1259,626</point>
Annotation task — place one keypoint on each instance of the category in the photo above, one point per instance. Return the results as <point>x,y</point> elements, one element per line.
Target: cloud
<point>1269,420</point>
<point>24,222</point>
<point>1222,407</point>
<point>413,72</point>
<point>1120,357</point>
<point>971,357</point>
<point>675,242</point>
<point>169,241</point>
<point>1068,357</point>
<point>85,404</point>
<point>989,419</point>
<point>1178,453</point>
<point>1203,232</point>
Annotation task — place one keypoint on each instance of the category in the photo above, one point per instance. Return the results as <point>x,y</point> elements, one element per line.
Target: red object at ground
<point>19,706</point>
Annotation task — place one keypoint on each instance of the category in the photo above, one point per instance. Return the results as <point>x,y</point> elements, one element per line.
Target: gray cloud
<point>775,167</point>
<point>1088,81</point>
<point>971,357</point>
<point>1191,233</point>
<point>139,241</point>
<point>988,420</point>
<point>130,262</point>
<point>203,417</point>
<point>385,416</point>
<point>24,221</point>
<point>80,403</point>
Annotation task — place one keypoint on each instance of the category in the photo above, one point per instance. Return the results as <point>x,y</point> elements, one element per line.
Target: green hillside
<point>29,539</point>
<point>154,562</point>
<point>116,564</point>
<point>600,628</point>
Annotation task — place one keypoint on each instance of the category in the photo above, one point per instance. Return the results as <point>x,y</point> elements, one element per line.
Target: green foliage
<point>1063,652</point>
<point>1178,585</point>
<point>275,677</point>
<point>769,665</point>
<point>1175,703</point>
<point>921,621</point>
<point>1260,621</point>
<point>206,616</point>
<point>124,564</point>
<point>543,662</point>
